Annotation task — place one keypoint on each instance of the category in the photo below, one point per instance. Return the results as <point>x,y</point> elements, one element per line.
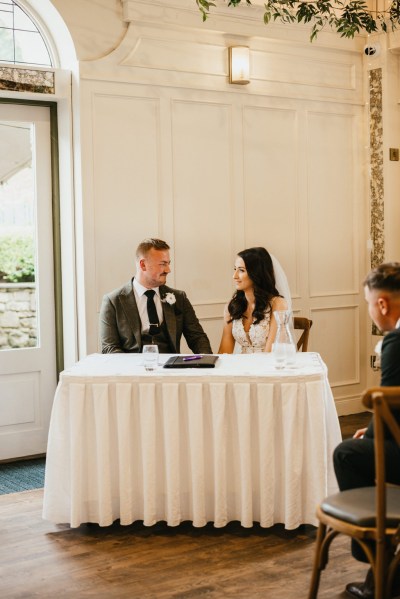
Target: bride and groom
<point>145,310</point>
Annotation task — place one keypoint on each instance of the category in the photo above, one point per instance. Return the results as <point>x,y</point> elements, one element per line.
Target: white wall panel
<point>333,238</point>
<point>271,185</point>
<point>126,183</point>
<point>335,332</point>
<point>295,69</point>
<point>189,56</point>
<point>202,203</point>
<point>213,329</point>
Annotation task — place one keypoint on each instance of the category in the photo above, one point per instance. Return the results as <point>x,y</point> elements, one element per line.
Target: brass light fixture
<point>239,65</point>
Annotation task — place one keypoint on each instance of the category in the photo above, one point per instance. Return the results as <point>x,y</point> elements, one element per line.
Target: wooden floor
<point>40,559</point>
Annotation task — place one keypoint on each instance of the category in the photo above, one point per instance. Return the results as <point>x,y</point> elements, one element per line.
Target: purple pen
<point>187,358</point>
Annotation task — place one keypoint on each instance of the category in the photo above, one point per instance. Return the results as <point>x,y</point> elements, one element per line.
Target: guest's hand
<point>360,433</point>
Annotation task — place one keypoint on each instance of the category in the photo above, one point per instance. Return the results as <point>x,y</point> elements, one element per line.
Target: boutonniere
<point>169,298</point>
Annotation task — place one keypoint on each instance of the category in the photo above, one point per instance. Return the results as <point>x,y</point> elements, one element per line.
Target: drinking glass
<point>150,356</point>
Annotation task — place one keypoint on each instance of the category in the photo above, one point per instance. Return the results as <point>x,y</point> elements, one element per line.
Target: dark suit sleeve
<point>390,360</point>
<point>390,366</point>
<point>193,332</point>
<point>109,336</point>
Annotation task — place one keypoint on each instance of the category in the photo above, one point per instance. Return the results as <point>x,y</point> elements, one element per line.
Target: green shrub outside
<point>17,263</point>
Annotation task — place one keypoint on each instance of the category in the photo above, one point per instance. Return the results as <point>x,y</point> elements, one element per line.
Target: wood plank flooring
<point>40,559</point>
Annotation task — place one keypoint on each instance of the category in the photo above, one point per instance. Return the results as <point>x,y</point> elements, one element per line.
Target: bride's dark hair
<point>260,269</point>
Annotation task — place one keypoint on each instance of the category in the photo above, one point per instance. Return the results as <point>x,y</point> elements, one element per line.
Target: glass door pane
<point>18,254</point>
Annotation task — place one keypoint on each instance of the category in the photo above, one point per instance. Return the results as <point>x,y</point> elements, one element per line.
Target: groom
<point>146,311</point>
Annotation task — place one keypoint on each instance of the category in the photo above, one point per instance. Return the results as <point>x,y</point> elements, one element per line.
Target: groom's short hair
<point>385,277</point>
<point>150,243</point>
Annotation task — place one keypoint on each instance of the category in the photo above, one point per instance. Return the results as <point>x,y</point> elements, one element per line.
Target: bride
<point>248,317</point>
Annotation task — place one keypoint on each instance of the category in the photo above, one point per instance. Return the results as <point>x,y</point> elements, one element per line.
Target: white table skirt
<point>240,442</point>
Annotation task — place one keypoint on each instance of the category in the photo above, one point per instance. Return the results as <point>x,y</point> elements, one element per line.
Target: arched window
<point>20,40</point>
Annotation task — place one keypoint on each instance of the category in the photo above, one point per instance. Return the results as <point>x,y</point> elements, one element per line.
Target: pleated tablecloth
<point>243,441</point>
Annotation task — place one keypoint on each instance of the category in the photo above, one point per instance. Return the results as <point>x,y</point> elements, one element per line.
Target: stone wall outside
<point>18,323</point>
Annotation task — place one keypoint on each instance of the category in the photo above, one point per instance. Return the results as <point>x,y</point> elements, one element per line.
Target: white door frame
<point>29,375</point>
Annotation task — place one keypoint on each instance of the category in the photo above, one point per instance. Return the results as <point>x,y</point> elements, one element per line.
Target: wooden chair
<point>371,513</point>
<point>299,322</point>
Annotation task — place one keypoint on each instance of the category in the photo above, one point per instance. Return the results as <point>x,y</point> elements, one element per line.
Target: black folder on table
<point>206,361</point>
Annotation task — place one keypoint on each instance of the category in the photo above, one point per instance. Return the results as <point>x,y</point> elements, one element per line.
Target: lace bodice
<point>254,341</point>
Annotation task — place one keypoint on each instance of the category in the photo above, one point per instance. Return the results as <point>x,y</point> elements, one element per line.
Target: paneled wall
<point>172,150</point>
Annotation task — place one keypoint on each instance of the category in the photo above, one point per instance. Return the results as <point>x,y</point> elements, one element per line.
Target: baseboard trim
<point>349,405</point>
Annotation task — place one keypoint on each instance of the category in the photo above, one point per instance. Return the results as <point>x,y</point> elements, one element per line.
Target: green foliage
<point>346,17</point>
<point>17,264</point>
<point>204,7</point>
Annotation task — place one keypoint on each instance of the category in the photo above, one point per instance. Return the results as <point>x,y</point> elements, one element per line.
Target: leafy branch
<point>346,17</point>
<point>204,6</point>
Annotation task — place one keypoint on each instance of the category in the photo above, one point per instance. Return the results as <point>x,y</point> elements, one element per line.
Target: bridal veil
<point>281,281</point>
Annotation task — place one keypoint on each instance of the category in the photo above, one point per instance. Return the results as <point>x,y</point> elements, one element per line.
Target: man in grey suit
<point>146,311</point>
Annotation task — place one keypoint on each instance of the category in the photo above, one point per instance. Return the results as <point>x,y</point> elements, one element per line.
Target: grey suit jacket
<point>120,325</point>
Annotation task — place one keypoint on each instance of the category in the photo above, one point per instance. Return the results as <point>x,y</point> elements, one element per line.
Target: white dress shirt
<point>141,302</point>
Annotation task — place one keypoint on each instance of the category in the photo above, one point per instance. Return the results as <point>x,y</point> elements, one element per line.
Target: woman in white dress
<point>248,317</point>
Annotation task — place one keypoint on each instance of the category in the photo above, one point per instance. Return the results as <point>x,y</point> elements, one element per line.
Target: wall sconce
<point>239,65</point>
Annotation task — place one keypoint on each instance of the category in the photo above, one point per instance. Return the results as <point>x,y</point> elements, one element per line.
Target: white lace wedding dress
<point>254,341</point>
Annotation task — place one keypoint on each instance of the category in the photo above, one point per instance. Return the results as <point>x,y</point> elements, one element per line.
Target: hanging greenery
<point>346,17</point>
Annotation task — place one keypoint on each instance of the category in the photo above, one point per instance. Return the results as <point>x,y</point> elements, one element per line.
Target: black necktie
<point>152,313</point>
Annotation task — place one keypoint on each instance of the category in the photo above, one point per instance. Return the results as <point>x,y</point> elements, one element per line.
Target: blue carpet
<point>22,476</point>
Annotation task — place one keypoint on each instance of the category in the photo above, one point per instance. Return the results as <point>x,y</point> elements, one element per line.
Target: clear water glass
<point>150,357</point>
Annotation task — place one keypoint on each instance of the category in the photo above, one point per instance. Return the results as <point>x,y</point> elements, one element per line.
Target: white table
<point>243,441</point>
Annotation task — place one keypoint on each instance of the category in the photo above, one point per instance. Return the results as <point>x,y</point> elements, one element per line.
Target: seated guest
<point>354,458</point>
<point>146,311</point>
<point>248,318</point>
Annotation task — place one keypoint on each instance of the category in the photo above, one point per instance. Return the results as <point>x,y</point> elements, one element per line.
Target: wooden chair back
<point>304,324</point>
<point>383,401</point>
<point>369,514</point>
